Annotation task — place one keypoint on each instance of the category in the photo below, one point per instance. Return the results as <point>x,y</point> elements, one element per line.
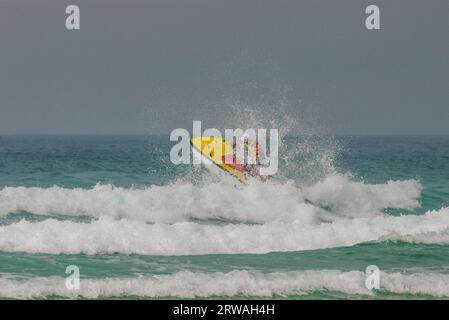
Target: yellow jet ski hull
<point>211,150</point>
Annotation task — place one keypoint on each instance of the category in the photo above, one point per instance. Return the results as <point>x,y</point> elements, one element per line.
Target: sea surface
<point>138,226</point>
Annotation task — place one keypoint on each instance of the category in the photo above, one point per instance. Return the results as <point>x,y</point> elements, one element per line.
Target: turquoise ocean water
<point>138,226</point>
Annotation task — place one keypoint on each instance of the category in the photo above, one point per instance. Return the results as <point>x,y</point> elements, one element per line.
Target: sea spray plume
<point>308,158</point>
<point>306,152</point>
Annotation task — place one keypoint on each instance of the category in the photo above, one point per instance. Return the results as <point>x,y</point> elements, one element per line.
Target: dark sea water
<point>138,226</point>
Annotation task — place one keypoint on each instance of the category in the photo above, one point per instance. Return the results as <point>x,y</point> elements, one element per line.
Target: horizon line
<point>166,134</point>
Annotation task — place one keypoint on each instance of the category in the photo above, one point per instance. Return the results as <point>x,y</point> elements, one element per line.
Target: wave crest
<point>242,283</point>
<point>106,235</point>
<point>256,202</point>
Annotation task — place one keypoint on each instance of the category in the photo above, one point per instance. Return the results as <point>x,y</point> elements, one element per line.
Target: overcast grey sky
<point>152,66</point>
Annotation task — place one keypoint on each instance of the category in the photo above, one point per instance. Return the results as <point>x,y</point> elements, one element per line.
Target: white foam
<point>256,202</point>
<point>355,199</point>
<point>187,284</point>
<point>173,203</point>
<point>186,238</point>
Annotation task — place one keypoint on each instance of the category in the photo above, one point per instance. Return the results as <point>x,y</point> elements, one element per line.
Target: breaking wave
<point>107,235</point>
<point>186,284</point>
<point>187,219</point>
<point>256,202</point>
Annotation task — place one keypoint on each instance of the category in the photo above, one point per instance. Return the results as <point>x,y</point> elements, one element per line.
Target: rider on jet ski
<point>251,148</point>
